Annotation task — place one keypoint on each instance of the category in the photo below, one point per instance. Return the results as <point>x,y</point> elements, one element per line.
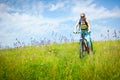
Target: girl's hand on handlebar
<point>89,31</point>
<point>75,32</point>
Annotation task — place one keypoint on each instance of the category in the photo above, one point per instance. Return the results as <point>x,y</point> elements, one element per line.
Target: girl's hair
<point>82,14</point>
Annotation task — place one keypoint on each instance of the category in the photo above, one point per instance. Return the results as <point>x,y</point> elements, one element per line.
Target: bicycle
<point>84,46</point>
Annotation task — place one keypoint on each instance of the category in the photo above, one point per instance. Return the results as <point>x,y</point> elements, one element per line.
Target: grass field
<point>61,62</point>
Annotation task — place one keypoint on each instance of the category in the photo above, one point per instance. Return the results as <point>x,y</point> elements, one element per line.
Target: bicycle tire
<point>85,44</point>
<point>91,45</point>
<point>81,49</point>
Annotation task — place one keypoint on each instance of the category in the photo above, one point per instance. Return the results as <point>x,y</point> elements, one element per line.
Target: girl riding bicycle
<point>85,27</point>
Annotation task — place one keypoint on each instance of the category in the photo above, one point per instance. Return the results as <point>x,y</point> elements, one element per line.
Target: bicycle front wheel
<point>81,49</point>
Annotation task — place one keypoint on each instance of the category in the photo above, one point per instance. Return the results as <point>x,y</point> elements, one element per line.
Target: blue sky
<point>23,19</point>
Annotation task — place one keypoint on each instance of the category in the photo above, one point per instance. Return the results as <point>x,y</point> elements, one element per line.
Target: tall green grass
<point>61,62</point>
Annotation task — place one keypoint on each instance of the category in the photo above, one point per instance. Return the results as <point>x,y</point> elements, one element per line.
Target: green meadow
<point>61,62</point>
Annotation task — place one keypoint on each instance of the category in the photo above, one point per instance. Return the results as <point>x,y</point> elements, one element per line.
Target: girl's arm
<point>76,26</point>
<point>89,25</point>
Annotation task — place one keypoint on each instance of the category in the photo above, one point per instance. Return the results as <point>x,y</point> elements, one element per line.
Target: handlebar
<point>76,32</point>
<point>79,32</point>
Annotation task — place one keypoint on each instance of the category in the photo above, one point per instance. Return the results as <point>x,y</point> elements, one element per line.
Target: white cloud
<point>26,22</point>
<point>4,8</point>
<point>93,11</point>
<point>56,6</point>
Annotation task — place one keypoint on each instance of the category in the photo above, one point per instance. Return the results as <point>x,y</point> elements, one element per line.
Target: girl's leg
<point>89,42</point>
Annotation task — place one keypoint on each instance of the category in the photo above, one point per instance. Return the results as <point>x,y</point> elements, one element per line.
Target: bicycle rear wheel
<point>92,46</point>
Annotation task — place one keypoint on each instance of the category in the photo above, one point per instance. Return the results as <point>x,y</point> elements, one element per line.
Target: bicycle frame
<point>83,45</point>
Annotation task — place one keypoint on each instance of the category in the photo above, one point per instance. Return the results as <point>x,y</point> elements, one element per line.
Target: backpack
<point>81,20</point>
